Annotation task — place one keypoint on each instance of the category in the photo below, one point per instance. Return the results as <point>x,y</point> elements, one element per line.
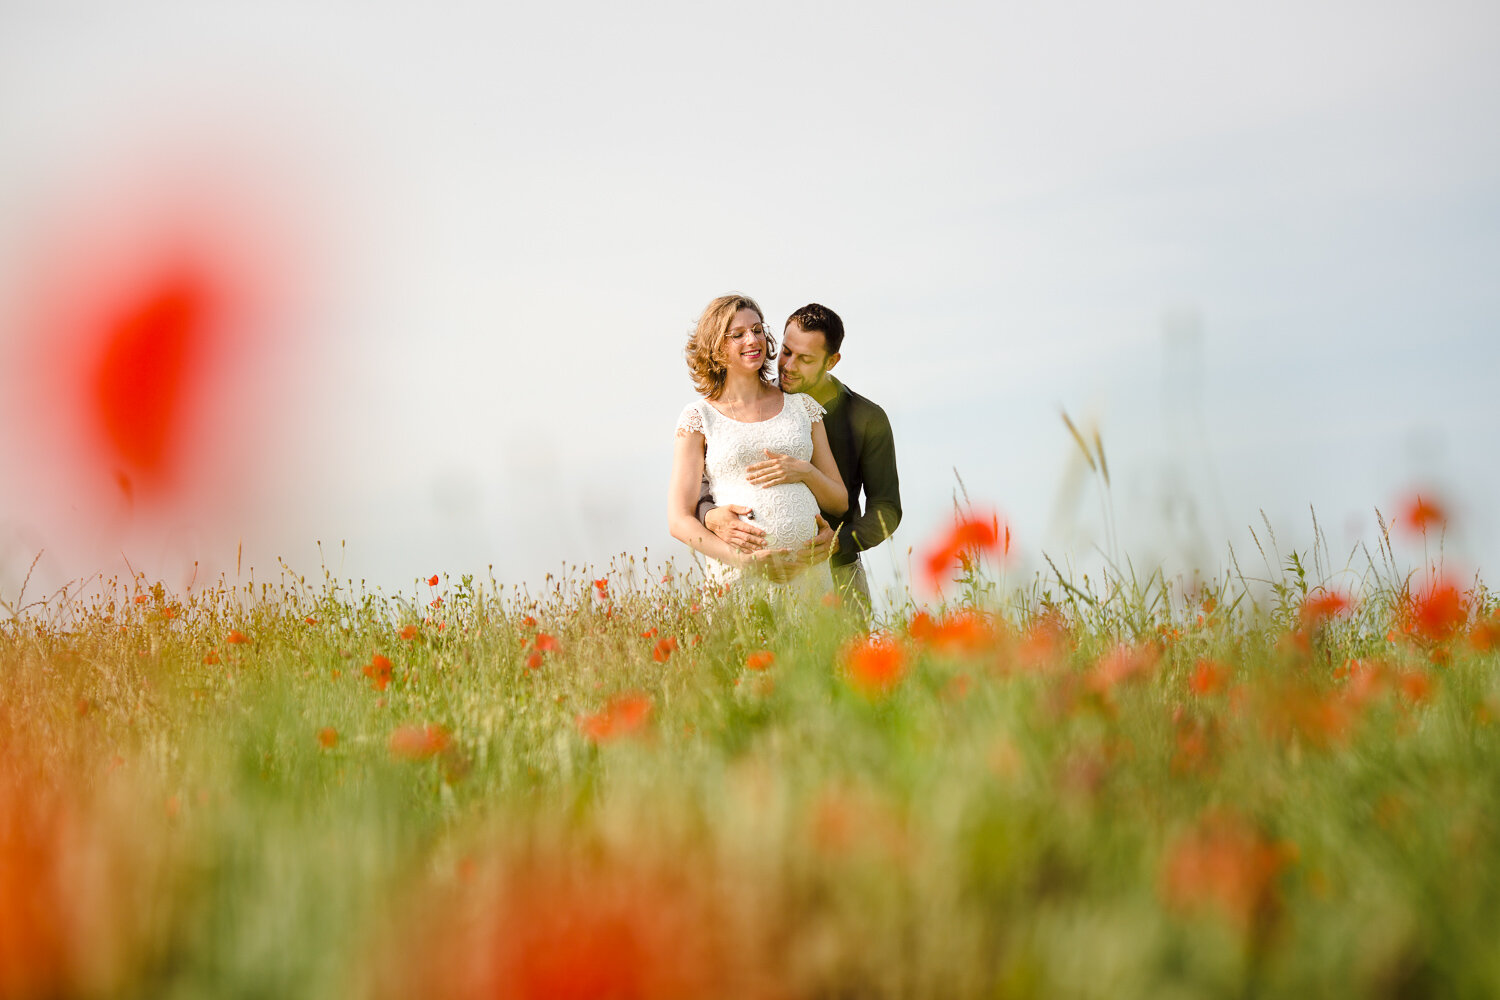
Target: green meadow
<point>619,785</point>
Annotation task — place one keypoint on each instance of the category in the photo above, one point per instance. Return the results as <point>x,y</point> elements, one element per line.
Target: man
<point>859,435</point>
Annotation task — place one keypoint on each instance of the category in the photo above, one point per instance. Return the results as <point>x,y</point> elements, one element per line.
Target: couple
<point>755,463</point>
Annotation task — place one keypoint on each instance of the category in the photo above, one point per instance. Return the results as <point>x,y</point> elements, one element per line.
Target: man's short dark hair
<point>820,319</point>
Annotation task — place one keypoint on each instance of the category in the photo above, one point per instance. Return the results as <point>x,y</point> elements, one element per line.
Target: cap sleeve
<point>691,420</point>
<point>814,409</point>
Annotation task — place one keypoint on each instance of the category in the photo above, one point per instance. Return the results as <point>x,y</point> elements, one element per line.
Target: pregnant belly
<point>786,512</point>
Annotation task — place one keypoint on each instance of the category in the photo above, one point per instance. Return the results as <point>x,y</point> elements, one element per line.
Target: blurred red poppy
<point>760,660</point>
<point>625,715</point>
<point>1420,513</point>
<point>379,671</point>
<point>972,535</point>
<point>664,649</point>
<point>1438,610</point>
<point>1224,865</point>
<point>419,742</point>
<point>875,665</point>
<point>1209,678</point>
<point>1323,604</point>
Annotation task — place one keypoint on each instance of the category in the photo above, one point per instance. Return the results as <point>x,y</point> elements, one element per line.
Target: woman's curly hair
<point>707,341</point>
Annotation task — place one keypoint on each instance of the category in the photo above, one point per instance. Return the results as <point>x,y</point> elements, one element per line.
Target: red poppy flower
<point>533,661</point>
<point>1421,513</point>
<point>419,742</point>
<point>310,620</point>
<point>649,633</point>
<point>432,581</point>
<point>875,665</point>
<point>379,671</point>
<point>1120,665</point>
<point>236,638</point>
<point>963,631</point>
<point>328,737</point>
<point>625,715</point>
<point>545,643</point>
<point>529,622</point>
<point>409,632</point>
<point>664,649</point>
<point>1324,604</point>
<point>211,657</point>
<point>1437,611</point>
<point>1415,685</point>
<point>1209,678</point>
<point>970,536</point>
<point>760,660</point>
<point>1227,866</point>
<point>601,586</point>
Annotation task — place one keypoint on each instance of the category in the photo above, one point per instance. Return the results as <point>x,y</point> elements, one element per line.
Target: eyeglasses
<point>758,330</point>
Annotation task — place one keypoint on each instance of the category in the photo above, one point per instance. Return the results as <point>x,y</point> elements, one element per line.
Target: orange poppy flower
<point>432,581</point>
<point>236,638</point>
<point>1227,866</point>
<point>410,632</point>
<point>664,649</point>
<point>1438,610</point>
<point>328,737</point>
<point>1324,604</point>
<point>625,715</point>
<point>970,536</point>
<point>545,643</point>
<point>1420,513</point>
<point>1209,678</point>
<point>760,660</point>
<point>379,671</point>
<point>419,742</point>
<point>875,665</point>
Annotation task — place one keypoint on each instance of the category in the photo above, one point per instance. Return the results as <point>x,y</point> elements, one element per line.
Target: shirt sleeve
<point>705,500</point>
<point>882,486</point>
<point>690,421</point>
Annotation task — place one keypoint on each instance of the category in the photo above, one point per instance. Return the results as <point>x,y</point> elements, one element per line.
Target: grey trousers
<point>850,584</point>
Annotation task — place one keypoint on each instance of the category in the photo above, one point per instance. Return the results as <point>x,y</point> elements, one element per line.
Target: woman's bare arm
<point>682,502</point>
<point>828,484</point>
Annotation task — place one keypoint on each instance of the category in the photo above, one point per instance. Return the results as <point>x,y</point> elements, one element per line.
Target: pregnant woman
<point>761,448</point>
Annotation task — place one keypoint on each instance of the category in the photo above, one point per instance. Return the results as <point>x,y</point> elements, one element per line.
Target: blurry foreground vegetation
<point>623,787</point>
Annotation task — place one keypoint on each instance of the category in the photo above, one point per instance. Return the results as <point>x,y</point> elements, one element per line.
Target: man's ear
<point>833,359</point>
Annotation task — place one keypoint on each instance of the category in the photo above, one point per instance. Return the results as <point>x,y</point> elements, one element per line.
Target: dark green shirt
<point>859,436</point>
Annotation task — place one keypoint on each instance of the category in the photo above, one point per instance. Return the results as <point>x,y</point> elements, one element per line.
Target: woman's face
<point>744,347</point>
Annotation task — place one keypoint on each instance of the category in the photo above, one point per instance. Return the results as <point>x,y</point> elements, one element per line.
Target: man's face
<point>804,360</point>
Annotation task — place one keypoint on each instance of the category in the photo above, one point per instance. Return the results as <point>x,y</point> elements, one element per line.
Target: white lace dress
<point>787,511</point>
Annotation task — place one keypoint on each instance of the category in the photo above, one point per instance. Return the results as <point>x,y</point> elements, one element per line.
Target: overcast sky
<point>1254,245</point>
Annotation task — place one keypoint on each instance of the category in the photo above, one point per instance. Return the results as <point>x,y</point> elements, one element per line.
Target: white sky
<point>1256,245</point>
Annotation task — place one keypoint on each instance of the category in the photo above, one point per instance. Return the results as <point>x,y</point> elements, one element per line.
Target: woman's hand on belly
<point>777,470</point>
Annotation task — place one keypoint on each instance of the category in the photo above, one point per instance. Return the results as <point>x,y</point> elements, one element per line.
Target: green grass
<point>1043,805</point>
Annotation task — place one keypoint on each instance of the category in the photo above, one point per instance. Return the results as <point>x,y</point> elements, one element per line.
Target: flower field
<point>621,786</point>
